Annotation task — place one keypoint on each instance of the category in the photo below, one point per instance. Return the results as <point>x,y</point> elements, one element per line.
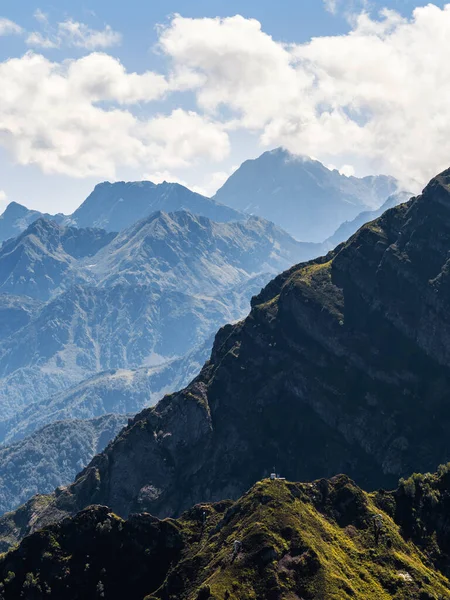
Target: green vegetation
<point>327,540</point>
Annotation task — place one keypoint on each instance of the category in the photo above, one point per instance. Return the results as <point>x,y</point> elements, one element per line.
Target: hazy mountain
<point>185,252</point>
<point>301,195</point>
<point>321,540</point>
<point>118,391</point>
<point>348,228</point>
<point>44,258</point>
<point>16,218</point>
<point>52,456</point>
<point>151,294</point>
<point>116,206</point>
<point>343,365</point>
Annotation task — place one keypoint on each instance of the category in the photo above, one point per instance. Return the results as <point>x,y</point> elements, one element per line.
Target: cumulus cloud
<point>8,27</point>
<point>72,34</point>
<point>372,100</point>
<point>56,116</point>
<point>376,98</point>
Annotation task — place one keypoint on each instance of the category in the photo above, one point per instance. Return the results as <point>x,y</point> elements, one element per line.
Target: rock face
<point>301,195</point>
<point>319,541</point>
<point>116,206</point>
<point>52,456</point>
<point>341,366</point>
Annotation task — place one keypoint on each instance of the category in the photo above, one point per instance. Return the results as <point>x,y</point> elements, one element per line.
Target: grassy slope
<point>299,542</point>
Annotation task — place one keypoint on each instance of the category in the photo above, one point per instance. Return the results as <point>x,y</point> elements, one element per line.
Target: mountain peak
<point>14,209</point>
<point>301,195</point>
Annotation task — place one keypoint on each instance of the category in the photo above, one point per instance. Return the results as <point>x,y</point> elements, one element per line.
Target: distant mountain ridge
<point>301,195</point>
<point>116,206</point>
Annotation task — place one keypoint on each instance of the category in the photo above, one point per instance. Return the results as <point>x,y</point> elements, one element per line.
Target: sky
<point>186,91</point>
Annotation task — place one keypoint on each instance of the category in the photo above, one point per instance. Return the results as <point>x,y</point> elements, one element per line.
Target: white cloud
<point>3,201</point>
<point>330,6</point>
<point>37,40</point>
<point>8,27</point>
<point>376,98</point>
<point>208,186</point>
<point>72,34</point>
<point>50,116</point>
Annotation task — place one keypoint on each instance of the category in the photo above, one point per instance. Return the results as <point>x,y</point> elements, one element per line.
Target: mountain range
<point>298,194</point>
<point>341,366</point>
<point>149,294</point>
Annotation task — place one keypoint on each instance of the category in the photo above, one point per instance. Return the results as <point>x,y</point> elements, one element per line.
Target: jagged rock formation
<point>301,195</point>
<point>52,456</point>
<point>341,366</point>
<point>280,541</point>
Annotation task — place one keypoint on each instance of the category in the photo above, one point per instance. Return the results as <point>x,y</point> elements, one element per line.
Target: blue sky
<point>353,98</point>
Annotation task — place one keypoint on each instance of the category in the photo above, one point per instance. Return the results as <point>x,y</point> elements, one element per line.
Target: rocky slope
<point>52,456</point>
<point>341,366</point>
<point>116,206</point>
<point>327,540</point>
<point>301,195</point>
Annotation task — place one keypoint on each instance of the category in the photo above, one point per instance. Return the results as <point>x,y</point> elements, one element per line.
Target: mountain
<point>191,253</point>
<point>116,206</point>
<point>118,391</point>
<point>347,229</point>
<point>280,541</point>
<point>16,218</point>
<point>44,258</point>
<point>150,294</point>
<point>52,456</point>
<point>341,366</point>
<point>301,195</point>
